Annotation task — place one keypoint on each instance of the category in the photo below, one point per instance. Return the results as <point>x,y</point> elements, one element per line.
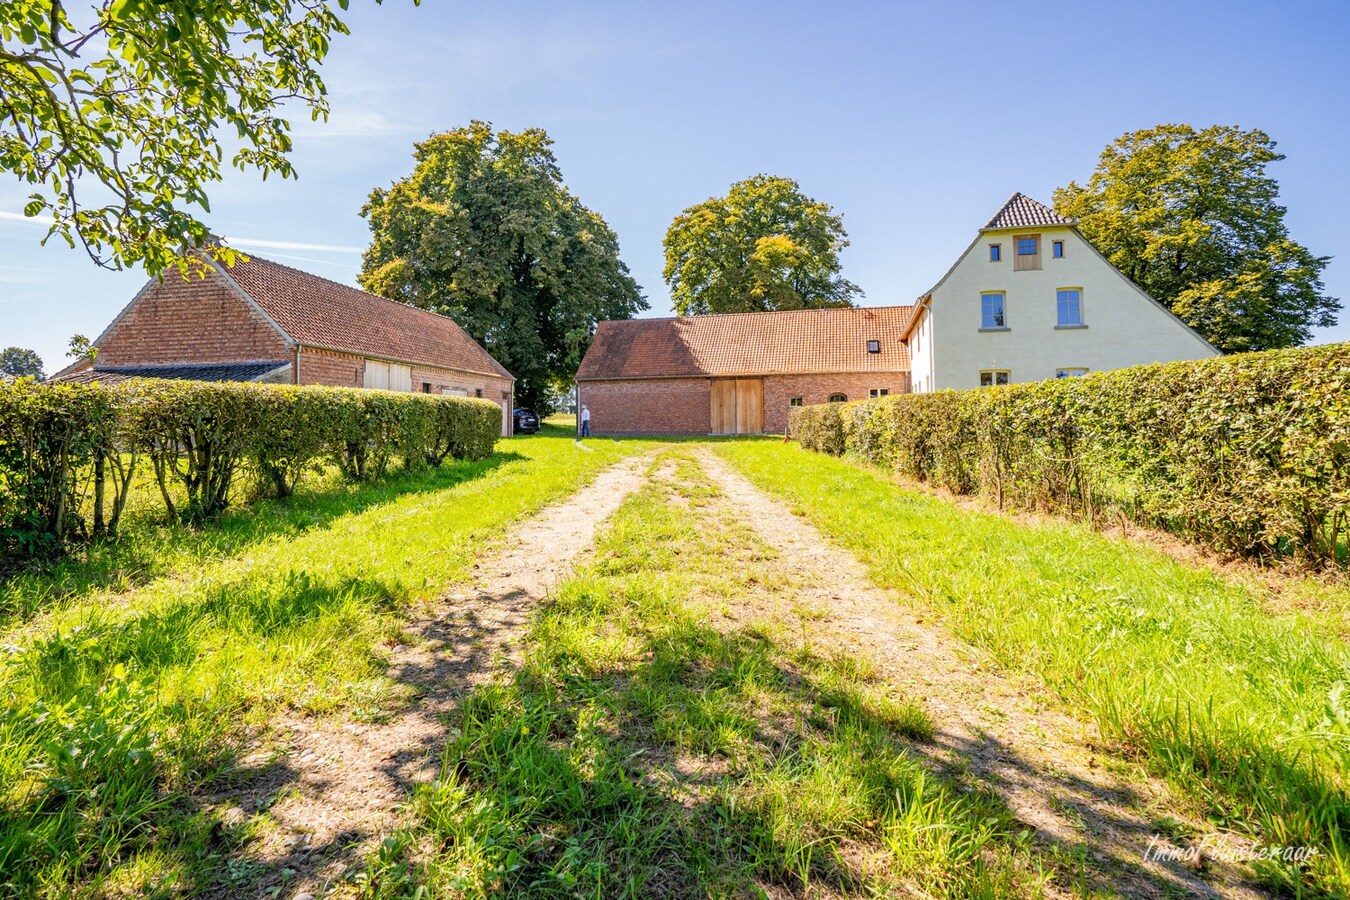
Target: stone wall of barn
<point>648,405</point>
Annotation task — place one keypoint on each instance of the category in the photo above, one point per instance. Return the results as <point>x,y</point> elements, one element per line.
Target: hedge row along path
<point>345,784</point>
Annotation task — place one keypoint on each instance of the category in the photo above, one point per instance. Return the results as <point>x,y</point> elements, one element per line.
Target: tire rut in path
<point>341,786</point>
<point>1038,760</point>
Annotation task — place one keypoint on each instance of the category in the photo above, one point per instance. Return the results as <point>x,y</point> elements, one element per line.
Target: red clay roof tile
<point>1022,212</point>
<point>765,343</point>
<point>322,313</point>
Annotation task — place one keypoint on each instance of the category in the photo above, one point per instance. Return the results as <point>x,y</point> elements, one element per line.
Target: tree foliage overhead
<point>1192,217</point>
<point>113,114</point>
<point>484,231</point>
<point>764,246</point>
<point>18,362</point>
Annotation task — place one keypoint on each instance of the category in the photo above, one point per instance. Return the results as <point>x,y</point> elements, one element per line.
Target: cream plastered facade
<point>1121,325</point>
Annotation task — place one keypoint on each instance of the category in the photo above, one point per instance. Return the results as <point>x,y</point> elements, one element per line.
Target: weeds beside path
<point>1180,670</point>
<point>346,785</point>
<point>123,719</point>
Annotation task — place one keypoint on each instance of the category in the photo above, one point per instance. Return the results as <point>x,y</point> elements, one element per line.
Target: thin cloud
<point>44,221</point>
<point>259,243</point>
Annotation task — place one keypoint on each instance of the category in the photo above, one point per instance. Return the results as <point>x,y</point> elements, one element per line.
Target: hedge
<point>68,452</point>
<point>1249,454</point>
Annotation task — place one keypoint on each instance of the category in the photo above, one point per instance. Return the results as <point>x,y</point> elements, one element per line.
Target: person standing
<point>585,420</point>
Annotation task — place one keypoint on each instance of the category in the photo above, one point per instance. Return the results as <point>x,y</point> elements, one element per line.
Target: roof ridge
<point>764,312</point>
<point>1012,198</point>
<point>349,287</point>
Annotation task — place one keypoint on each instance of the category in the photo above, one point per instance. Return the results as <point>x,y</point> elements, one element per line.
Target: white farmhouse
<point>1031,299</point>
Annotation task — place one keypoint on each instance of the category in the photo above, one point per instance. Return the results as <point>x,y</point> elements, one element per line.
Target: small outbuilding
<point>262,321</point>
<point>738,373</point>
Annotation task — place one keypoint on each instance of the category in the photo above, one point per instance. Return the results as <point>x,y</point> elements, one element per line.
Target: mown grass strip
<point>640,751</point>
<point>119,714</point>
<point>1177,665</point>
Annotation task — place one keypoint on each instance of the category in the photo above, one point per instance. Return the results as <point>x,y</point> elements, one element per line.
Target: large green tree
<point>18,362</point>
<point>113,112</point>
<point>485,231</point>
<point>764,246</point>
<point>1192,217</point>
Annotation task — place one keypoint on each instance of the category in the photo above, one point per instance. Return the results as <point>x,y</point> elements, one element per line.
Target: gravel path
<point>336,790</point>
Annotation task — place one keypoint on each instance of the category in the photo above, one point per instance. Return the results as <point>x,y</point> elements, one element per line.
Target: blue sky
<point>915,121</point>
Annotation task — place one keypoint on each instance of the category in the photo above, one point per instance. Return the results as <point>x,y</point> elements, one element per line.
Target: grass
<point>642,750</point>
<point>1179,667</point>
<point>139,668</point>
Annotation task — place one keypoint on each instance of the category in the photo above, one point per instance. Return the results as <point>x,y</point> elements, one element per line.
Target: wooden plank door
<point>749,406</point>
<point>377,375</point>
<point>723,407</point>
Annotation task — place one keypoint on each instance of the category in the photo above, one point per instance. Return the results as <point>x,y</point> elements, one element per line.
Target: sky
<point>915,121</point>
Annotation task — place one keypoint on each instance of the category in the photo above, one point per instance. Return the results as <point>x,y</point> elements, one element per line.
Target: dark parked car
<point>526,421</point>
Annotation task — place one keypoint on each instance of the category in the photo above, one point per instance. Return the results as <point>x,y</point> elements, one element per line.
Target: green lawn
<point>640,751</point>
<point>131,673</point>
<point>1187,671</point>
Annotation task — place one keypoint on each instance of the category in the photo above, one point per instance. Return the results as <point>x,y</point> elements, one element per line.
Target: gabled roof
<point>1022,212</point>
<point>320,313</point>
<point>764,343</point>
<point>247,371</point>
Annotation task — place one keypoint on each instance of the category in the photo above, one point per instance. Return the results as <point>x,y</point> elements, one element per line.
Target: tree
<point>763,246</point>
<point>484,231</point>
<point>1192,217</point>
<point>16,362</point>
<point>113,114</point>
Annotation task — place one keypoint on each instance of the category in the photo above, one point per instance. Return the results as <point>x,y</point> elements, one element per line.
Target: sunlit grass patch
<point>1183,670</point>
<point>124,708</point>
<point>643,750</point>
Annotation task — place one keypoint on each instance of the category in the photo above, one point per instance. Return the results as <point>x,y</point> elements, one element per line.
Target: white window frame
<point>1003,310</point>
<point>1071,371</point>
<point>994,377</point>
<point>874,393</point>
<point>1082,318</point>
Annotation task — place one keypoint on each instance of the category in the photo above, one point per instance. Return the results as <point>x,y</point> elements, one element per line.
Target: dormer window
<point>874,346</point>
<point>1028,248</point>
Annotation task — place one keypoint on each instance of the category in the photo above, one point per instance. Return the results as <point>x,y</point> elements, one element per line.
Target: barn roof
<point>317,312</point>
<point>760,343</point>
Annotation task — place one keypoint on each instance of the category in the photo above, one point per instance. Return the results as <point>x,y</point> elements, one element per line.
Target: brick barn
<point>262,321</point>
<point>738,373</point>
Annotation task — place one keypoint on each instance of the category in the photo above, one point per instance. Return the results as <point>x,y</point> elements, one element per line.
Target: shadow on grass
<point>148,549</point>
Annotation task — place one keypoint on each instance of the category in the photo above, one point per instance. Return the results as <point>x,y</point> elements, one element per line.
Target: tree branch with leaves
<point>114,114</point>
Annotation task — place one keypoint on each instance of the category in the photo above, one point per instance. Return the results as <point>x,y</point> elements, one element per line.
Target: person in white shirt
<point>585,421</point>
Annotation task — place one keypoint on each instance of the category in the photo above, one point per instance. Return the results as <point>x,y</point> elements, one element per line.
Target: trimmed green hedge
<point>67,448</point>
<point>1249,454</point>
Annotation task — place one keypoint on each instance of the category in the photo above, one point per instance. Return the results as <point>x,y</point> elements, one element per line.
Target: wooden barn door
<point>738,406</point>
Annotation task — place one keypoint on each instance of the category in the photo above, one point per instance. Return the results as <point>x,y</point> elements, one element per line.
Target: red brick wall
<point>347,370</point>
<point>649,406</point>
<point>198,320</point>
<point>684,405</point>
<point>780,389</point>
<point>332,369</point>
